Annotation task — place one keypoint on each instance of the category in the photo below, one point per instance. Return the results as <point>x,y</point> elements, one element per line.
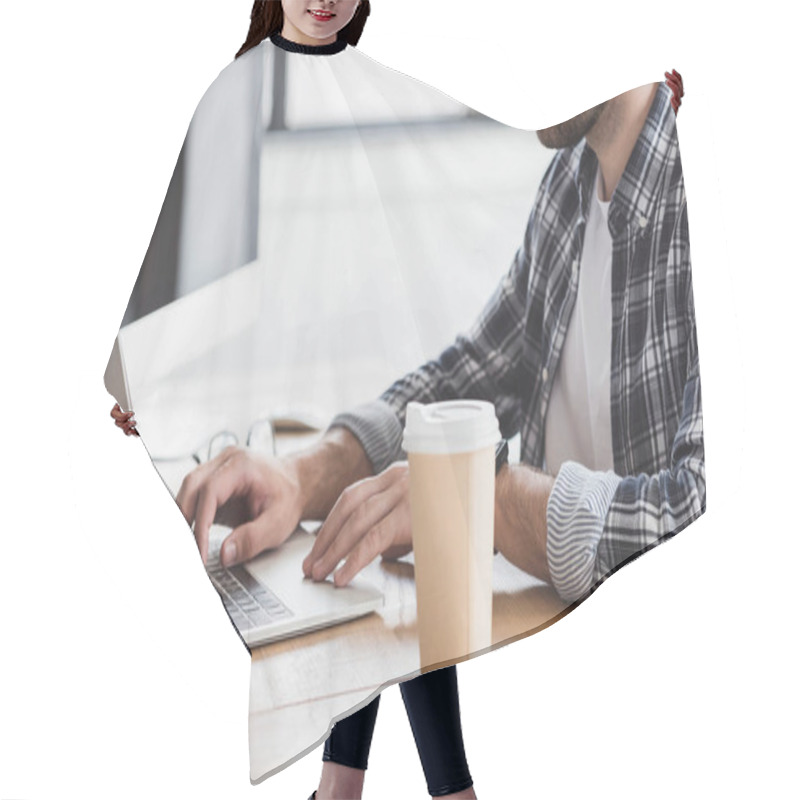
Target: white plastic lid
<point>452,426</point>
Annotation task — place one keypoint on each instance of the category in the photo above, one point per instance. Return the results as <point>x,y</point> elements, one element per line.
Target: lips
<point>323,16</point>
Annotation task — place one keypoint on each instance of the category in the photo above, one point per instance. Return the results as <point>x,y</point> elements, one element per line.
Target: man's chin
<point>569,133</point>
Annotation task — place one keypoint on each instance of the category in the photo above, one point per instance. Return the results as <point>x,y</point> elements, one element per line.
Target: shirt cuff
<point>376,426</point>
<point>576,513</point>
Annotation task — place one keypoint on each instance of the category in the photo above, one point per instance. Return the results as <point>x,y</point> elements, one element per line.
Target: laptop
<point>268,598</point>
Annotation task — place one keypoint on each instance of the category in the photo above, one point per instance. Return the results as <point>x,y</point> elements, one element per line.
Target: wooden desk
<point>299,685</point>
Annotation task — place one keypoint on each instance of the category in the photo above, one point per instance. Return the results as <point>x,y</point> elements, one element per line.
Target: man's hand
<point>259,497</point>
<point>370,518</point>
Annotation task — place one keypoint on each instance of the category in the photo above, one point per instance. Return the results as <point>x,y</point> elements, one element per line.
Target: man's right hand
<point>258,496</point>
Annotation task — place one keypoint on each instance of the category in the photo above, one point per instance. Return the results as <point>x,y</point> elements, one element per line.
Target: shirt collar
<point>642,180</point>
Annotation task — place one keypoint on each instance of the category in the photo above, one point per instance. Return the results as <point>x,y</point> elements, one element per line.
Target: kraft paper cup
<point>451,457</point>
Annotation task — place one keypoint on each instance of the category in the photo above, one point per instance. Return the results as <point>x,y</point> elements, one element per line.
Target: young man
<point>587,348</point>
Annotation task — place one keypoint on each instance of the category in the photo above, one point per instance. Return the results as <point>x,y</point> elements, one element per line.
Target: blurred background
<point>376,215</point>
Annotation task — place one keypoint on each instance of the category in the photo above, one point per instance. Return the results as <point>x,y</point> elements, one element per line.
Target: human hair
<point>266,18</point>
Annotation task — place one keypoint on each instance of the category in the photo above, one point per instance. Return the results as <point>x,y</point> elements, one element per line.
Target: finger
<point>193,482</point>
<point>125,425</point>
<point>367,515</point>
<point>381,493</point>
<point>238,546</point>
<point>324,534</point>
<point>118,414</point>
<point>675,82</point>
<point>350,533</point>
<point>377,539</point>
<point>222,484</point>
<point>339,514</point>
<point>248,540</point>
<point>345,506</point>
<point>187,493</point>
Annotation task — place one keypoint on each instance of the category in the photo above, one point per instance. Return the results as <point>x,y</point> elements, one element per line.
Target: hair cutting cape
<point>335,243</point>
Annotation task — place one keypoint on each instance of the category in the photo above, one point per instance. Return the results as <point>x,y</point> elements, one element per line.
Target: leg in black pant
<point>432,706</point>
<point>351,737</point>
<point>433,711</point>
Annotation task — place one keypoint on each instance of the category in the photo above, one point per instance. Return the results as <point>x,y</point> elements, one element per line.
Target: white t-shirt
<point>578,423</point>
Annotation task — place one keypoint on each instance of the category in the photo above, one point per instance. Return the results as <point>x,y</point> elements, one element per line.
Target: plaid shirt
<point>596,521</point>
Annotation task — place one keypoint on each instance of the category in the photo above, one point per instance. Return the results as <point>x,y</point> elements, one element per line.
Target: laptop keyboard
<point>249,603</point>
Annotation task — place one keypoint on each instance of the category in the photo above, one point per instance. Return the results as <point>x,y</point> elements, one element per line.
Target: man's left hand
<point>371,517</point>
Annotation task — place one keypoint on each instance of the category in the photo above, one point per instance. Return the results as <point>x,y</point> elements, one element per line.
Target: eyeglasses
<point>260,438</point>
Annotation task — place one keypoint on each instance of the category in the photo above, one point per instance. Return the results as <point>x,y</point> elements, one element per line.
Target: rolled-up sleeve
<point>576,515</point>
<point>599,521</point>
<point>378,428</point>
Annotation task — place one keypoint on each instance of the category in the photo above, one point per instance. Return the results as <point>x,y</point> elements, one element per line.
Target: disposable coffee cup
<point>451,459</point>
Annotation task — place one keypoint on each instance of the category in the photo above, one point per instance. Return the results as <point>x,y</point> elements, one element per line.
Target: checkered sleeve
<point>482,364</point>
<point>597,522</point>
